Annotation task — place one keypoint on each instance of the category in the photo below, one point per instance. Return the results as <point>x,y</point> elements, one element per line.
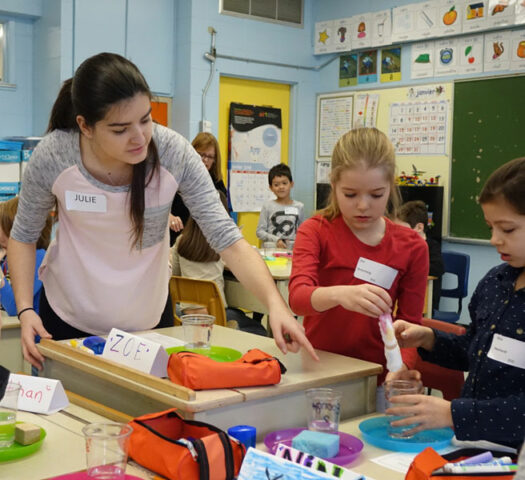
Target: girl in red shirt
<point>351,263</point>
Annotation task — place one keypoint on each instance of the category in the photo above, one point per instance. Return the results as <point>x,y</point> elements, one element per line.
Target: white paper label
<point>507,350</point>
<point>136,352</point>
<point>374,272</point>
<point>86,202</point>
<point>39,394</point>
<point>291,211</point>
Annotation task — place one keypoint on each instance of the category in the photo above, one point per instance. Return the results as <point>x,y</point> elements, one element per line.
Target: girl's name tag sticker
<point>374,272</point>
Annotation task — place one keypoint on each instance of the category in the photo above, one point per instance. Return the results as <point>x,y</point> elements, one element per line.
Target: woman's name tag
<point>86,202</point>
<point>374,272</point>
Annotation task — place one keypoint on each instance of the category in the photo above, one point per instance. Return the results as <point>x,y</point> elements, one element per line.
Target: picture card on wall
<point>501,13</point>
<point>361,30</point>
<point>474,15</point>
<point>390,64</point>
<point>342,41</point>
<point>381,23</point>
<point>449,17</point>
<point>423,60</point>
<point>517,46</point>
<point>348,70</point>
<point>324,37</point>
<point>403,23</point>
<point>497,51</point>
<point>367,66</point>
<point>469,54</point>
<point>520,12</point>
<point>446,57</point>
<point>426,20</point>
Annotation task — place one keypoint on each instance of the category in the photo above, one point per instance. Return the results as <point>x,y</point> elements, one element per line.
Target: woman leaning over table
<point>113,175</point>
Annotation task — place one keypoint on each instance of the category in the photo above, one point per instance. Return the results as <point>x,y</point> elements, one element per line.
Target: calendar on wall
<point>419,128</point>
<point>254,148</point>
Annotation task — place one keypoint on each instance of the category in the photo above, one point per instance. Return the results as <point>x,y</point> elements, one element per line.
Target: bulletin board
<point>489,119</point>
<point>431,164</point>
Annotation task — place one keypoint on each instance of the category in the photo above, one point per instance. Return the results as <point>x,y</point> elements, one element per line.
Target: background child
<point>7,216</point>
<point>492,403</point>
<point>280,218</point>
<point>193,257</point>
<point>339,301</point>
<point>415,214</point>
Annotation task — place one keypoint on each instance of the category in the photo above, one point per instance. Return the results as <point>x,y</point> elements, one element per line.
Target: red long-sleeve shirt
<point>325,254</point>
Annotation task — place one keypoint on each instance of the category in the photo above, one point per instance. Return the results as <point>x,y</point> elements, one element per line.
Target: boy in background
<point>415,214</point>
<point>280,218</point>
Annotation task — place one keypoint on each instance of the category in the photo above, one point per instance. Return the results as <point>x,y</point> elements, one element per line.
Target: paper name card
<point>136,352</point>
<point>258,465</point>
<point>39,394</point>
<point>315,463</point>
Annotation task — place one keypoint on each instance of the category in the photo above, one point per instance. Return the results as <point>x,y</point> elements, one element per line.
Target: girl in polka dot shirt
<point>492,402</point>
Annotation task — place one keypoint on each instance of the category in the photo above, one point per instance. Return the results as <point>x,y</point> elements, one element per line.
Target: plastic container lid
<point>246,434</point>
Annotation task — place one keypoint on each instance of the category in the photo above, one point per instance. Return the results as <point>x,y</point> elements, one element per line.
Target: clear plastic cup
<point>395,388</point>
<point>8,411</point>
<point>323,409</point>
<point>197,330</point>
<point>269,248</point>
<point>107,450</point>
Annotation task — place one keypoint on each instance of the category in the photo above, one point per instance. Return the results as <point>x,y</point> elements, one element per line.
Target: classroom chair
<point>448,381</point>
<point>198,292</point>
<point>457,264</point>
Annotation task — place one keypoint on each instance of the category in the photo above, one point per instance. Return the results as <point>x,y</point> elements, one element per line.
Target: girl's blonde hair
<point>203,141</point>
<point>369,148</point>
<point>7,217</point>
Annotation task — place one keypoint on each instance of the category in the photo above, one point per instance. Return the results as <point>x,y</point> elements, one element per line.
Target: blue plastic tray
<point>374,431</point>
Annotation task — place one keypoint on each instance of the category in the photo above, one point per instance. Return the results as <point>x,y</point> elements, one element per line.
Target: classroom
<point>215,66</point>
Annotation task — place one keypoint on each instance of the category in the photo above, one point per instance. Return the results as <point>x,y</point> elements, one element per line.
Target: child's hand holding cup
<point>397,388</point>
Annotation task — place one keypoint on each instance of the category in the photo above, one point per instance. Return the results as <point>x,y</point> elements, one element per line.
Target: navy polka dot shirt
<point>492,403</point>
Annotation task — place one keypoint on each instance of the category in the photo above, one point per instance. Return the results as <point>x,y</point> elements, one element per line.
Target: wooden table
<point>268,408</point>
<point>63,450</point>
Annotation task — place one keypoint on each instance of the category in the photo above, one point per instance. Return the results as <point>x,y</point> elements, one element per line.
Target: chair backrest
<point>457,264</point>
<point>199,292</point>
<point>449,382</point>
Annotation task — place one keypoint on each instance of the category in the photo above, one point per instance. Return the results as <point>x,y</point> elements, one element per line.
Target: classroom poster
<point>426,20</point>
<point>520,13</point>
<point>390,64</point>
<point>469,54</point>
<point>497,51</point>
<point>365,110</point>
<point>322,174</point>
<point>422,61</point>
<point>342,38</point>
<point>447,16</point>
<point>348,70</point>
<point>517,45</point>
<point>334,117</point>
<point>367,67</point>
<point>474,15</point>
<point>255,147</point>
<point>381,28</point>
<point>446,57</point>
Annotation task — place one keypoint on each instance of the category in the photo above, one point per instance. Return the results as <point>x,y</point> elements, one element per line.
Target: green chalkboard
<point>488,130</point>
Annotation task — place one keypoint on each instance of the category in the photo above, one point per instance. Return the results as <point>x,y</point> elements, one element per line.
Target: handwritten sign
<point>136,352</point>
<point>39,394</point>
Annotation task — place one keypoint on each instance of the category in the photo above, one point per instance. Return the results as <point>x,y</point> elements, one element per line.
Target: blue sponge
<point>319,444</point>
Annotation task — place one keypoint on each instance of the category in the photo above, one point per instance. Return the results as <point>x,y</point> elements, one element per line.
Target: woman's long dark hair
<point>99,83</point>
